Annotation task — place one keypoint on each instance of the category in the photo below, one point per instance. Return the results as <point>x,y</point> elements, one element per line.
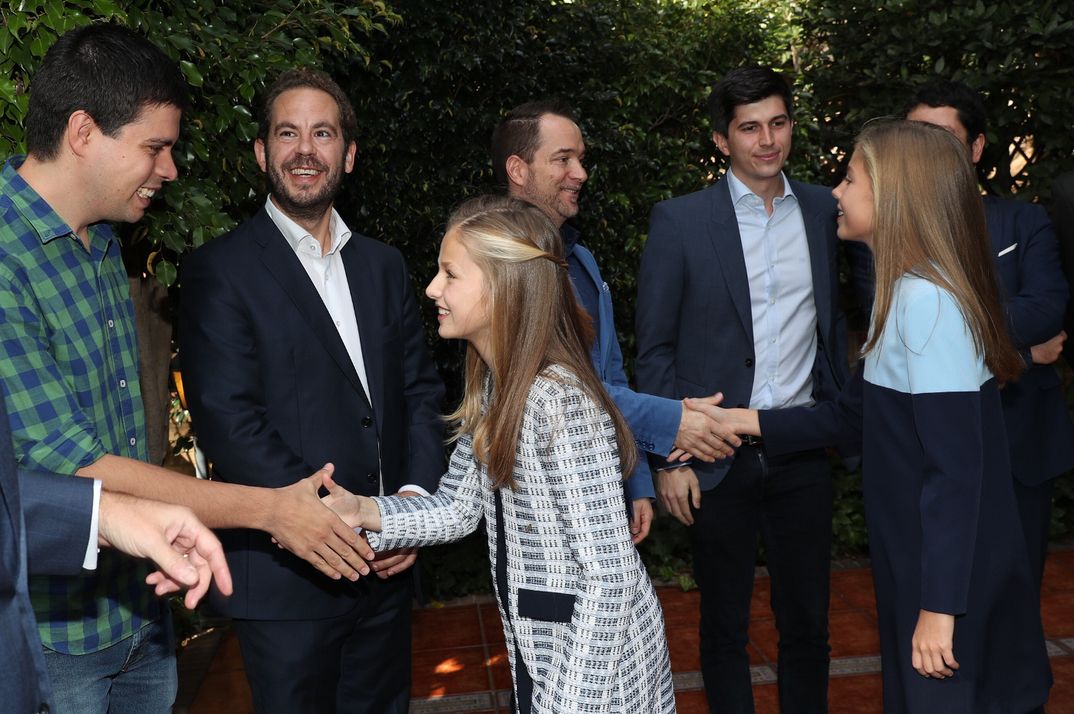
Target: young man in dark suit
<point>738,293</point>
<point>302,344</point>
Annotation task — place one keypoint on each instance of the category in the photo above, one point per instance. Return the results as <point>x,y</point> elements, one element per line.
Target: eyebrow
<point>159,142</point>
<point>769,120</point>
<point>318,125</point>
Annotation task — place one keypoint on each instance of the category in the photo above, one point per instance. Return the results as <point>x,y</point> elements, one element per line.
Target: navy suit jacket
<point>694,323</point>
<point>44,529</point>
<point>274,395</point>
<point>1061,210</point>
<point>654,420</point>
<point>1040,434</point>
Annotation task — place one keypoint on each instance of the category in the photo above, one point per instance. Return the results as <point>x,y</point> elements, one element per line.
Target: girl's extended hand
<point>933,645</point>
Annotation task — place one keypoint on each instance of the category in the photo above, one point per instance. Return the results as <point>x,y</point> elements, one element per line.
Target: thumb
<point>712,401</point>
<point>325,476</point>
<point>175,566</point>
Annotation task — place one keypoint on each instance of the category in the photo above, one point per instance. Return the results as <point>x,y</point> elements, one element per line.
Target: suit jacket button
<point>367,422</point>
<point>371,477</point>
<point>749,362</point>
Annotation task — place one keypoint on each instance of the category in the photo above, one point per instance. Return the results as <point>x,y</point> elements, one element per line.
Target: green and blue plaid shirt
<point>69,371</point>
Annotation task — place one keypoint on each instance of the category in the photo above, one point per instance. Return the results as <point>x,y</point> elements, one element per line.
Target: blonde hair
<point>929,220</point>
<point>535,322</point>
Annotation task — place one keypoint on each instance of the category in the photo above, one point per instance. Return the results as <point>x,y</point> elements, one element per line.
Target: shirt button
<point>749,361</point>
<point>111,323</point>
<point>367,422</point>
<point>371,477</point>
<point>123,383</point>
<point>133,441</point>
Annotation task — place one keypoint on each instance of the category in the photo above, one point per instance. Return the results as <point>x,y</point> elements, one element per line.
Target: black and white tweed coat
<point>580,608</point>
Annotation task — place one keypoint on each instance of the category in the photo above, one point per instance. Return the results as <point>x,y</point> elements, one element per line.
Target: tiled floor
<point>460,665</point>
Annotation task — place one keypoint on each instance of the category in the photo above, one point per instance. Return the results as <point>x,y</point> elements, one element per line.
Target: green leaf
<point>193,76</point>
<point>166,272</point>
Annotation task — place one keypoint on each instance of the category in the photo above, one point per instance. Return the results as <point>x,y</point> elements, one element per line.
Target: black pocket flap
<point>544,605</point>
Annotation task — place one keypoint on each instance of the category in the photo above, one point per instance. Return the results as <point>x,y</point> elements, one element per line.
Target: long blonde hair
<point>929,220</point>
<point>535,322</point>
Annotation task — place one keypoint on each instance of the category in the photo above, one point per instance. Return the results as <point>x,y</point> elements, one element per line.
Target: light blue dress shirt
<point>784,313</point>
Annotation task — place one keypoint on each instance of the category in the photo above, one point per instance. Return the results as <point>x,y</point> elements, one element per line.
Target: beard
<point>304,204</point>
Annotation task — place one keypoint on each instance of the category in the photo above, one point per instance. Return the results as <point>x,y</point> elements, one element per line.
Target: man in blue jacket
<point>538,155</point>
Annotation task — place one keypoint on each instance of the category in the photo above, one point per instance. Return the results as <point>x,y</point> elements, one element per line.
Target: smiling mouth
<point>146,193</point>
<point>304,172</point>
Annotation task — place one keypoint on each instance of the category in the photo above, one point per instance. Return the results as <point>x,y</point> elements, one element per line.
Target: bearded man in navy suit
<point>302,344</point>
<point>738,293</point>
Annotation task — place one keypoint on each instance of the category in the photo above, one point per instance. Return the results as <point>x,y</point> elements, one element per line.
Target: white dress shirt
<point>784,313</point>
<point>329,277</point>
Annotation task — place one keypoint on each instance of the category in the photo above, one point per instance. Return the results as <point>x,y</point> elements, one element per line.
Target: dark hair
<point>960,97</point>
<point>108,71</point>
<point>519,133</point>
<point>309,79</point>
<point>746,85</point>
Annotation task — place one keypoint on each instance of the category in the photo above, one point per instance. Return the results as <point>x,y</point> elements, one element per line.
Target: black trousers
<point>358,663</point>
<point>787,501</point>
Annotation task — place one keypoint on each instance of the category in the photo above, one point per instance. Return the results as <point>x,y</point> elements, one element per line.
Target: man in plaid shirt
<point>103,116</point>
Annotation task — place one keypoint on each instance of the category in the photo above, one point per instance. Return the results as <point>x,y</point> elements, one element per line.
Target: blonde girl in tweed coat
<point>538,456</point>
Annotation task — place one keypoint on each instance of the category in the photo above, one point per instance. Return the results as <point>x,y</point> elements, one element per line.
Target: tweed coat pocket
<point>545,605</point>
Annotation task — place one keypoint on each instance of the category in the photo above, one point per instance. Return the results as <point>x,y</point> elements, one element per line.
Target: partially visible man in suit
<point>52,525</point>
<point>302,344</point>
<point>1061,209</point>
<point>1040,433</point>
<point>738,292</point>
<point>538,155</point>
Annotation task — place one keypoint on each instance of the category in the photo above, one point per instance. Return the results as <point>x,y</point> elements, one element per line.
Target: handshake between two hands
<point>708,432</point>
<point>323,530</point>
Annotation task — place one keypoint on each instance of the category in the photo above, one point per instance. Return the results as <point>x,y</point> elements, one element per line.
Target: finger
<point>326,474</point>
<point>213,553</point>
<point>677,455</point>
<point>162,584</point>
<point>918,662</point>
<point>695,495</point>
<point>682,508</point>
<point>344,559</point>
<point>194,594</point>
<point>173,564</point>
<point>404,562</point>
<point>949,659</point>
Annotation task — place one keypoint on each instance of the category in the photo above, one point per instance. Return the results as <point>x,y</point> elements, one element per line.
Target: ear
<point>259,154</point>
<point>721,143</point>
<point>977,148</point>
<point>348,158</point>
<point>518,171</point>
<point>80,132</point>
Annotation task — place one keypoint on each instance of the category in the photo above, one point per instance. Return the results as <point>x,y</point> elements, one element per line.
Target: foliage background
<point>430,79</point>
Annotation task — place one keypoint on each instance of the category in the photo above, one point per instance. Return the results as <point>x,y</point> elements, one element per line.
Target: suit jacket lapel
<point>817,227</point>
<point>727,241</point>
<point>607,328</point>
<point>284,266</point>
<point>369,310</point>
